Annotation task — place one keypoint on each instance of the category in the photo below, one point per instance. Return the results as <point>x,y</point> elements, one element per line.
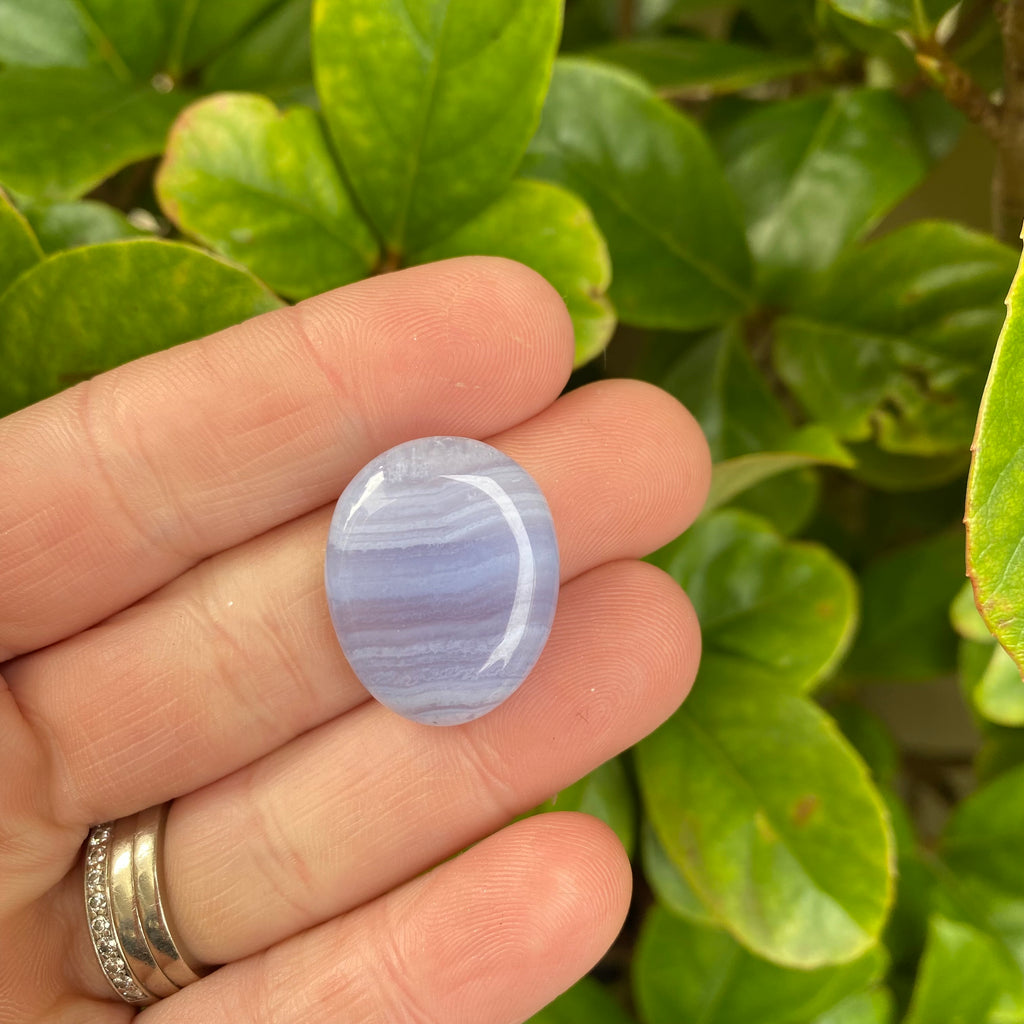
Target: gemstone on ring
<point>442,577</point>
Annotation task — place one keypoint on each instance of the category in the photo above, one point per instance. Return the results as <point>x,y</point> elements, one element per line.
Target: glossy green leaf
<point>206,29</point>
<point>655,188</point>
<point>273,57</point>
<point>816,172</point>
<point>873,1006</point>
<point>668,883</point>
<point>44,33</point>
<point>605,793</point>
<point>261,187</point>
<point>66,129</point>
<point>85,222</point>
<point>551,230</point>
<point>995,498</point>
<point>19,247</point>
<point>917,15</point>
<point>813,446</point>
<point>587,1002</point>
<point>964,979</point>
<point>716,379</point>
<point>906,594</point>
<point>688,973</point>
<point>678,64</point>
<point>89,309</point>
<point>892,343</point>
<point>999,694</point>
<point>132,36</point>
<point>431,104</point>
<point>785,610</point>
<point>792,854</point>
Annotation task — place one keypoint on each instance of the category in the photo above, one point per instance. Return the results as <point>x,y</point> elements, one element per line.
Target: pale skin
<point>164,635</point>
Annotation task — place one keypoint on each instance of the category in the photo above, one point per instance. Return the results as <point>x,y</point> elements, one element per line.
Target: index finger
<point>120,484</point>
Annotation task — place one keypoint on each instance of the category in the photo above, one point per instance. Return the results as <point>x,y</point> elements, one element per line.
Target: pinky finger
<point>488,938</point>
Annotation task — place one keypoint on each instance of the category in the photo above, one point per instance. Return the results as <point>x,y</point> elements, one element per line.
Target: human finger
<point>353,808</point>
<point>118,485</point>
<point>488,938</point>
<point>237,656</point>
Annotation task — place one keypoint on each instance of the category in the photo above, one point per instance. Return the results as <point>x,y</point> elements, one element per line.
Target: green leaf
<point>44,33</point>
<point>667,882</point>
<point>874,1006</point>
<point>653,184</point>
<point>964,979</point>
<point>870,739</point>
<point>999,693</point>
<point>89,309</point>
<point>918,15</point>
<point>85,222</point>
<point>67,129</point>
<point>816,172</point>
<point>206,29</point>
<point>893,341</point>
<point>906,594</point>
<point>677,64</point>
<point>965,617</point>
<point>431,103</point>
<point>985,835</point>
<point>552,231</point>
<point>688,972</point>
<point>261,187</point>
<point>605,793</point>
<point>888,471</point>
<point>716,379</point>
<point>813,446</point>
<point>587,1002</point>
<point>785,610</point>
<point>19,248</point>
<point>273,57</point>
<point>995,498</point>
<point>1002,750</point>
<point>132,36</point>
<point>792,854</point>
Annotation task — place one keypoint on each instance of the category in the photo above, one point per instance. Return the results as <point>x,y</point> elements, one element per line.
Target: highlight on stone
<point>442,577</point>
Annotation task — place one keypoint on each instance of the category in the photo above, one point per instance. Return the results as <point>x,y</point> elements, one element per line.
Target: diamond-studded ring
<point>128,923</point>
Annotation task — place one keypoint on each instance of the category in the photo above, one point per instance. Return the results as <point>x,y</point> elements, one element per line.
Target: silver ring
<point>128,923</point>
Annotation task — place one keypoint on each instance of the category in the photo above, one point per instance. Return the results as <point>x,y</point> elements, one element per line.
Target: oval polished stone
<point>442,577</point>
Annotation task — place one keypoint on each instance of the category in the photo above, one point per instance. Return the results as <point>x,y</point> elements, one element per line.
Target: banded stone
<point>442,577</point>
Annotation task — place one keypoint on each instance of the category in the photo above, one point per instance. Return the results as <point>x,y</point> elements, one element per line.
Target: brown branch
<point>1008,192</point>
<point>626,16</point>
<point>962,91</point>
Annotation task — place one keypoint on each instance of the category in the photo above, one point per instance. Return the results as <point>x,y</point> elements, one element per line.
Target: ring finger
<point>368,800</point>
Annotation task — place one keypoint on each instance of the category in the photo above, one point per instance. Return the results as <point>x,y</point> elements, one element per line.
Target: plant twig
<point>626,12</point>
<point>1008,191</point>
<point>962,91</point>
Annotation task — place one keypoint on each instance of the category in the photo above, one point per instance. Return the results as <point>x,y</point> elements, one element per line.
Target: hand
<point>164,634</point>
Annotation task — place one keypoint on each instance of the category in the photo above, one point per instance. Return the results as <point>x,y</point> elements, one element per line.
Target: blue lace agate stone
<point>442,577</point>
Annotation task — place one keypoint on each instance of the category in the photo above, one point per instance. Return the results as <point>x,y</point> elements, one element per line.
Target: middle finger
<point>238,656</point>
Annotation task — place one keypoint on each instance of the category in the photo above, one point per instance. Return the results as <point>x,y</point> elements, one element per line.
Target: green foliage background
<point>711,186</point>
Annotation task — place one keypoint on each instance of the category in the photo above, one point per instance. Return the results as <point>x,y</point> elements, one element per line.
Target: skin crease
<point>164,635</point>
